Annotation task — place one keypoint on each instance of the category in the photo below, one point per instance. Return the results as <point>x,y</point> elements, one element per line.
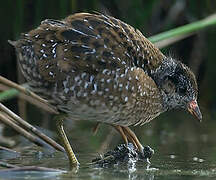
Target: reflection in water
<point>130,171</point>
<point>148,173</point>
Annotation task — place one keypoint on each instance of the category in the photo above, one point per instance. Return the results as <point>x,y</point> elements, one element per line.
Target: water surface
<point>184,149</point>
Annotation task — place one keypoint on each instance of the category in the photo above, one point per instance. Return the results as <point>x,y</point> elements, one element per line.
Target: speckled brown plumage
<point>95,67</point>
<point>88,64</point>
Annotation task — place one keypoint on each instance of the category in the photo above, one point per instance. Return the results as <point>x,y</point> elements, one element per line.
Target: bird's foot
<point>146,153</point>
<point>129,136</point>
<point>123,154</point>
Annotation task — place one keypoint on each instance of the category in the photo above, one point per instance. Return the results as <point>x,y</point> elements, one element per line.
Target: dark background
<point>150,17</point>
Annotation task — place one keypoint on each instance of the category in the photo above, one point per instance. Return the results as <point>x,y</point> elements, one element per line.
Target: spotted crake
<point>98,68</point>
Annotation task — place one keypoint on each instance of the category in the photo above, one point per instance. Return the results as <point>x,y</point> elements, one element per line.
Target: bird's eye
<point>182,90</point>
<point>168,86</point>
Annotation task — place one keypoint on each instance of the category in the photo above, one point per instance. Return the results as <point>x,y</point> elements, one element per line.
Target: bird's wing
<point>118,39</point>
<point>90,43</point>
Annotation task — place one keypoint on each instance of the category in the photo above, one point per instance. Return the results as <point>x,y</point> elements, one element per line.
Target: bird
<point>95,67</point>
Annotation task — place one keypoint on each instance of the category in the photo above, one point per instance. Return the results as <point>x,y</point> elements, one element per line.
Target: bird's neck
<point>167,68</point>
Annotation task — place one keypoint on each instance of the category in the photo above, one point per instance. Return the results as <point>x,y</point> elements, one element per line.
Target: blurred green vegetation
<point>151,17</point>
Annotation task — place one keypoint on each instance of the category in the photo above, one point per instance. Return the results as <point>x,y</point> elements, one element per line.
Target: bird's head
<point>178,86</point>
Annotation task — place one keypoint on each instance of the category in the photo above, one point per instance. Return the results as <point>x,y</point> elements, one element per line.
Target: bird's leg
<point>95,128</point>
<point>120,130</point>
<point>130,138</point>
<point>72,158</point>
<point>131,135</point>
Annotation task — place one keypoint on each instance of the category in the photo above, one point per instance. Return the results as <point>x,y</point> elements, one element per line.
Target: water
<point>162,166</point>
<point>184,149</point>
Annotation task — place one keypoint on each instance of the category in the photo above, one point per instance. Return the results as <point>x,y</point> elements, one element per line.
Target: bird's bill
<point>193,108</point>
